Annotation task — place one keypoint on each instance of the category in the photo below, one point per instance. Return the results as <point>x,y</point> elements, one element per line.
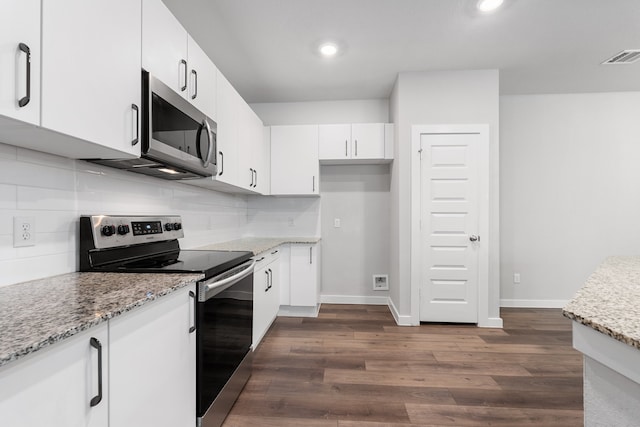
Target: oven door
<point>224,337</point>
<point>176,133</point>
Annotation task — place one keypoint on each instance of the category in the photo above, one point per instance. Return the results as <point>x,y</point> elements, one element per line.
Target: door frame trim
<point>483,215</point>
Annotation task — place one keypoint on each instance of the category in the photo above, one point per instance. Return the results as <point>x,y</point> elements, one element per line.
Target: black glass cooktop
<point>211,263</point>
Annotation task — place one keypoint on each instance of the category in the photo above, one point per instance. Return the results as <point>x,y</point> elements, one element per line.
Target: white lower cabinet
<point>55,386</point>
<point>148,371</point>
<point>152,359</point>
<point>304,281</point>
<point>266,293</point>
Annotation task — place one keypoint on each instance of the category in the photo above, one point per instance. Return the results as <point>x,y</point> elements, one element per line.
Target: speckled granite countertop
<point>609,302</point>
<point>257,244</point>
<point>42,312</point>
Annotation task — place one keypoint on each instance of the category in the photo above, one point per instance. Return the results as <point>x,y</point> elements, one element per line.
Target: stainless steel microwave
<point>178,141</point>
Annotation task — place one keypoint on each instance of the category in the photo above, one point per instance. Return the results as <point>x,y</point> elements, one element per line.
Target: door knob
<point>474,238</point>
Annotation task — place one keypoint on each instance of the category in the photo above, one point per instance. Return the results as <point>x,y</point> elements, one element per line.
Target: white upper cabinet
<point>91,85</point>
<point>202,80</point>
<point>295,169</point>
<point>171,55</point>
<point>352,143</point>
<point>164,46</point>
<point>20,60</point>
<point>227,137</point>
<point>253,172</point>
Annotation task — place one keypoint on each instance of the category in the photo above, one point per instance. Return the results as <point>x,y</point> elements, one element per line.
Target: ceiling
<point>266,48</point>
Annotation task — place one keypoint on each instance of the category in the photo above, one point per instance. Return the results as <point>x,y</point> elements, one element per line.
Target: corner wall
<point>440,97</point>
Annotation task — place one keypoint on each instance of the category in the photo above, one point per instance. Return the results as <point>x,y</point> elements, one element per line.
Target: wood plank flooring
<point>353,367</point>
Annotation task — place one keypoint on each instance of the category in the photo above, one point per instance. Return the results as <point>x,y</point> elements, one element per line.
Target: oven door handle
<point>226,282</point>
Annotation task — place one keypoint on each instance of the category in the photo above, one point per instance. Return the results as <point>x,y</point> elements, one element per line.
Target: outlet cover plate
<point>24,231</point>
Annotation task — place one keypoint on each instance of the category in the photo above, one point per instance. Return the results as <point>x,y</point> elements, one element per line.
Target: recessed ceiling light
<point>489,5</point>
<point>328,49</point>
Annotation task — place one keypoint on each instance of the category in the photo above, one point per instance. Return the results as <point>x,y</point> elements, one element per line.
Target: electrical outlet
<point>516,278</point>
<point>24,231</point>
<point>336,222</point>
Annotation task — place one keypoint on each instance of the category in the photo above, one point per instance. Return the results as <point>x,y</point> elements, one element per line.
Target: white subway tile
<point>34,175</point>
<point>45,159</point>
<point>8,151</point>
<point>32,198</point>
<point>8,196</point>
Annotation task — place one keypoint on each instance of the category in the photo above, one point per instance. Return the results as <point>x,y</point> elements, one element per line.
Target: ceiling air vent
<point>625,57</point>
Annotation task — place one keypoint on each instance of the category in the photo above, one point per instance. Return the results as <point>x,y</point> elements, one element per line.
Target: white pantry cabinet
<point>55,386</point>
<point>91,84</point>
<point>153,363</point>
<point>266,293</point>
<point>358,142</point>
<point>20,60</point>
<point>295,169</point>
<point>171,55</point>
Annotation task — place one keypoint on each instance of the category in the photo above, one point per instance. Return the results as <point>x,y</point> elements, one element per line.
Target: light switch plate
<point>336,222</point>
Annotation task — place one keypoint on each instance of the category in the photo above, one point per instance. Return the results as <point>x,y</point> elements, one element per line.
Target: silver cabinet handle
<point>314,184</point>
<point>356,148</point>
<point>310,254</point>
<point>194,73</point>
<point>270,272</point>
<point>25,100</point>
<point>266,288</point>
<point>274,252</point>
<point>192,328</point>
<point>98,346</point>
<point>346,148</point>
<point>135,108</point>
<point>255,184</point>
<point>474,238</point>
<point>184,87</point>
<point>251,171</point>
<point>221,163</point>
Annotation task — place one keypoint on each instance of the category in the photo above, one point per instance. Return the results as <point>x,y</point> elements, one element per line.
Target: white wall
<point>56,191</point>
<point>570,190</point>
<point>439,97</point>
<point>358,195</point>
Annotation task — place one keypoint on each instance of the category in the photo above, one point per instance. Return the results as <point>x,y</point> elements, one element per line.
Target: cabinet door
<point>164,46</point>
<point>227,109</point>
<point>19,43</point>
<point>334,142</point>
<point>294,160</point>
<point>153,364</point>
<point>248,147</point>
<point>274,290</point>
<point>304,275</point>
<point>367,141</point>
<point>55,386</point>
<point>261,321</point>
<point>202,80</point>
<point>259,152</point>
<point>91,59</point>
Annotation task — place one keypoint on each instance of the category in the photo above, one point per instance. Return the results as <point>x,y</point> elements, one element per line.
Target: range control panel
<point>115,231</point>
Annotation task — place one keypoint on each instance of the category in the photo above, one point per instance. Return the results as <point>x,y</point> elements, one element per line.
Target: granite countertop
<point>609,302</point>
<point>257,244</point>
<point>36,314</point>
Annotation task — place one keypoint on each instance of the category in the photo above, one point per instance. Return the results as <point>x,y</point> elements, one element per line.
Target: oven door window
<point>225,326</point>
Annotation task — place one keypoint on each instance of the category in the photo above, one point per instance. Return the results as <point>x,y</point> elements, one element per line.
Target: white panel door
<point>19,42</point>
<point>153,364</point>
<point>294,160</point>
<point>164,46</point>
<point>449,215</point>
<point>367,141</point>
<point>56,385</point>
<point>91,71</point>
<point>334,142</point>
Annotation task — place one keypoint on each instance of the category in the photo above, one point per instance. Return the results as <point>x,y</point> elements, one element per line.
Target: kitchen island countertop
<point>36,314</point>
<point>257,244</point>
<point>609,302</point>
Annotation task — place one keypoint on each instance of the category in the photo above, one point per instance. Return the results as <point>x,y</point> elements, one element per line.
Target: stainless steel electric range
<point>224,312</point>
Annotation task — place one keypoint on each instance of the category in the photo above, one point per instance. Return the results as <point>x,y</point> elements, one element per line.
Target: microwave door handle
<point>207,160</point>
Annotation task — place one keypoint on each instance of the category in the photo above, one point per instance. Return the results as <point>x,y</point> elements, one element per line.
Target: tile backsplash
<point>56,191</point>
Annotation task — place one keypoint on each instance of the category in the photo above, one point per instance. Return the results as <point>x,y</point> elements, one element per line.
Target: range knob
<point>123,229</point>
<point>108,230</point>
<point>168,226</point>
<point>177,226</point>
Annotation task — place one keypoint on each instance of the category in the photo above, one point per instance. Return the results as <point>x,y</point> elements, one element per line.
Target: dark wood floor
<point>353,367</point>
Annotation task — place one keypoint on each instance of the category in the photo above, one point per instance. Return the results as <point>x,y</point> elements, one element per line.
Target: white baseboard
<point>400,320</point>
<point>491,322</point>
<point>353,299</point>
<point>533,303</point>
